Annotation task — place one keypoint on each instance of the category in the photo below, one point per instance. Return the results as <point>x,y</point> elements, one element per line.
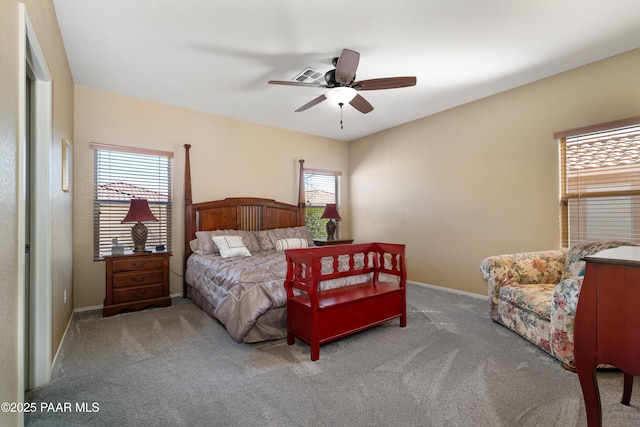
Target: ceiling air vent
<point>310,76</point>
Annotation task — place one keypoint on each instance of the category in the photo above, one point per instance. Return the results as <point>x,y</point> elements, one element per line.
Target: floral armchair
<point>535,294</point>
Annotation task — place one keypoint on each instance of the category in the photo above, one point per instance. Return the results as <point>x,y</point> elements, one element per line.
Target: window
<point>122,174</point>
<point>600,182</point>
<point>321,187</point>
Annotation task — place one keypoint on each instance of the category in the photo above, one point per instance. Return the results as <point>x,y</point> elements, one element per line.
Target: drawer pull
<point>137,264</point>
<point>138,293</point>
<point>138,279</point>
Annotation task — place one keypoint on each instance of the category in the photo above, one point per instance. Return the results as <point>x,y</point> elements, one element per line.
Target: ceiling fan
<point>342,84</point>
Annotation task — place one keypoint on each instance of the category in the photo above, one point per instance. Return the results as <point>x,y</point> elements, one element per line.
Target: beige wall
<point>9,350</point>
<point>44,21</point>
<point>229,158</point>
<point>481,179</point>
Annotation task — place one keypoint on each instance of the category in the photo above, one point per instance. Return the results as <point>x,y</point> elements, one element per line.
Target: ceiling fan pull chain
<point>341,104</point>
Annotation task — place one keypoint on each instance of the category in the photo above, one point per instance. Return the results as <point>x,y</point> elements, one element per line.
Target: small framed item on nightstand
<point>116,248</point>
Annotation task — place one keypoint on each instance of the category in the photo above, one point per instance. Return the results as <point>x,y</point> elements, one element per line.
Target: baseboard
<point>90,308</point>
<point>64,335</point>
<point>455,291</point>
<point>100,307</point>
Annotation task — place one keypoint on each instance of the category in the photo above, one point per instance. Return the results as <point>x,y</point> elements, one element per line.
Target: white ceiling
<point>216,56</point>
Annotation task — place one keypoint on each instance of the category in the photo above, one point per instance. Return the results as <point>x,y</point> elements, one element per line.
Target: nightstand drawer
<point>139,263</point>
<point>137,293</point>
<point>137,278</point>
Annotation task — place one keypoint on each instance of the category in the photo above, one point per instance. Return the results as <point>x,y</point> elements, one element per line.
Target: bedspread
<point>243,290</point>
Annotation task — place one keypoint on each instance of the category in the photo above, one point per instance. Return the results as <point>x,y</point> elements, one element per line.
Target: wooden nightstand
<point>325,242</point>
<point>135,281</point>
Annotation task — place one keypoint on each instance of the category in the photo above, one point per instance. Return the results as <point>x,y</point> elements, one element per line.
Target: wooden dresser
<point>135,281</point>
<point>607,323</point>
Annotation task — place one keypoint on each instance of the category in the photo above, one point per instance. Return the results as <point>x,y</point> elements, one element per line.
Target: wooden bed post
<point>302,204</point>
<point>188,217</point>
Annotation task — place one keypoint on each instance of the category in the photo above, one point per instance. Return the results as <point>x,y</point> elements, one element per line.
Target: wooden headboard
<point>237,213</point>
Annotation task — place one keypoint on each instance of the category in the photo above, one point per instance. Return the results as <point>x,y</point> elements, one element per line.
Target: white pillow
<point>292,243</point>
<point>230,246</point>
<point>195,246</point>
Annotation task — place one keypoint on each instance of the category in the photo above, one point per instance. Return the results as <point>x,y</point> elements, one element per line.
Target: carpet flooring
<point>451,366</point>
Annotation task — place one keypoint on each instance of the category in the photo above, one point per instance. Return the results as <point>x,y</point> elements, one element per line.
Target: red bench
<point>317,316</point>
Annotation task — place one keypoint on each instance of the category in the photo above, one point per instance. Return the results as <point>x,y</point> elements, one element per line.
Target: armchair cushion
<point>533,298</point>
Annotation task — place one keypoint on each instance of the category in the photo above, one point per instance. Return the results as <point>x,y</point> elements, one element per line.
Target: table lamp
<point>331,212</point>
<point>139,212</point>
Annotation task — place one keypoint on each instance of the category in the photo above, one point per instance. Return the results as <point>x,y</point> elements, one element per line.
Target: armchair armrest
<point>566,293</point>
<point>542,267</point>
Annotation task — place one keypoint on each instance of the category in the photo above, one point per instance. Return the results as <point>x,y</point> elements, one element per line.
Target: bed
<point>245,293</point>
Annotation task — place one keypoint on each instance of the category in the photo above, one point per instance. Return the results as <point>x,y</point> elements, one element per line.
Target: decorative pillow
<point>292,243</point>
<point>290,232</point>
<point>250,240</point>
<point>195,246</point>
<point>206,243</point>
<point>264,240</point>
<point>230,246</point>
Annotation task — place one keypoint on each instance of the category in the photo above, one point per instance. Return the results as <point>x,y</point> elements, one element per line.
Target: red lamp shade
<point>330,211</point>
<point>139,212</point>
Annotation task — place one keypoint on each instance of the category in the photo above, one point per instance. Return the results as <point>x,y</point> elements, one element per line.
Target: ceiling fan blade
<point>384,83</point>
<point>292,83</point>
<point>347,66</point>
<point>361,104</point>
<point>311,103</point>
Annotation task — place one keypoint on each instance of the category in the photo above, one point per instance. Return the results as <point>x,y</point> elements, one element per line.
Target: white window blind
<point>600,179</point>
<point>321,187</point>
<point>122,174</point>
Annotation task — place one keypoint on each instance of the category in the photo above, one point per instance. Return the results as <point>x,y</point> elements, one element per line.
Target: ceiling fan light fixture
<point>341,95</point>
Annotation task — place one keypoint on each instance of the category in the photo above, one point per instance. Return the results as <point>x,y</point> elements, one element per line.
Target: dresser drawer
<point>137,263</point>
<point>137,278</point>
<point>137,293</point>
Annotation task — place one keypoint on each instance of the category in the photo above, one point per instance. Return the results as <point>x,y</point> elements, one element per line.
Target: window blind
<point>600,183</point>
<point>122,174</point>
<point>321,187</point>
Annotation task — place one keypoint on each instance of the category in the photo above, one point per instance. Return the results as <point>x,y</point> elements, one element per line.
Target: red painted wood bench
<point>317,316</point>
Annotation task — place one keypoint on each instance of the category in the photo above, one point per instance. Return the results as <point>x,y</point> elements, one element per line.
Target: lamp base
<point>331,230</point>
<point>139,234</point>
